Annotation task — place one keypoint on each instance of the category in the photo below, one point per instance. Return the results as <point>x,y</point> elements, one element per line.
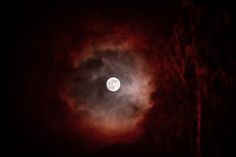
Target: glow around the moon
<point>110,109</point>
<point>113,84</point>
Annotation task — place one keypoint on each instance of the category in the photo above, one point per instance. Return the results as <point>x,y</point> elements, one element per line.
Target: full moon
<point>113,84</point>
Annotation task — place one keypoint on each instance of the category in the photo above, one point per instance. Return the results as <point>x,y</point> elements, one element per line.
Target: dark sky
<point>174,59</point>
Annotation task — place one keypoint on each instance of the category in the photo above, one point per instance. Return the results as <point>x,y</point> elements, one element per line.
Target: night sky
<point>175,62</point>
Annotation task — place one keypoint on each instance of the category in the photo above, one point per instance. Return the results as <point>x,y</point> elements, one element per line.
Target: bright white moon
<point>113,84</point>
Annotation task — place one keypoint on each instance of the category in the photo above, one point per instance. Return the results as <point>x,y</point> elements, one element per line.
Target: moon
<point>113,84</point>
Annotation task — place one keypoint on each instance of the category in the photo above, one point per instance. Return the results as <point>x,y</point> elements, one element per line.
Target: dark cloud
<point>119,111</point>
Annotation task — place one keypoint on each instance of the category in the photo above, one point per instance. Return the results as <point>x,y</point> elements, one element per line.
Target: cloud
<point>113,114</point>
